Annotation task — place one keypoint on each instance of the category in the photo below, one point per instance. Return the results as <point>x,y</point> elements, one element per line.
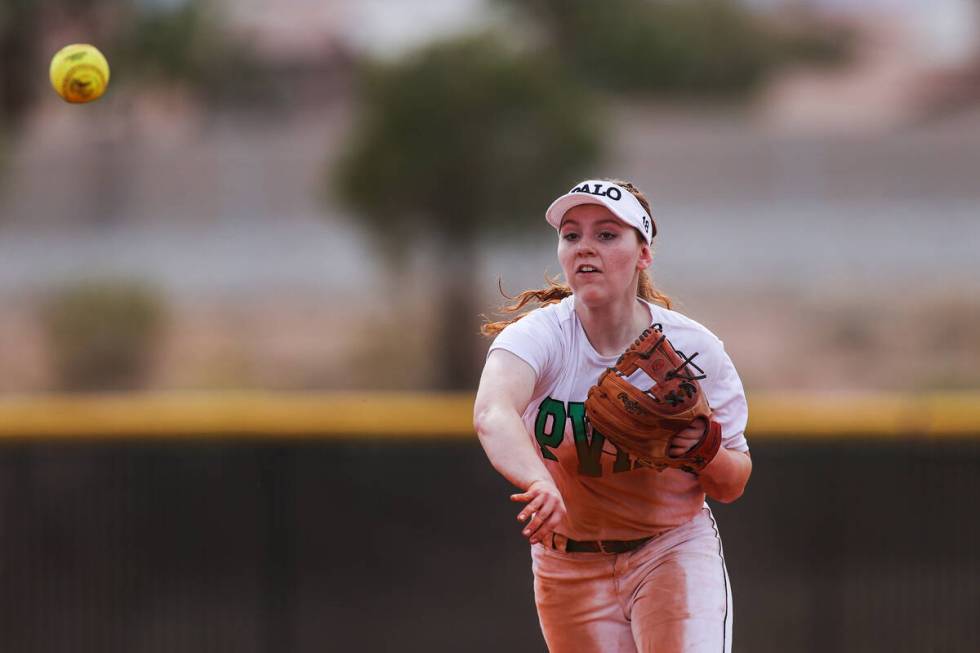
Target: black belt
<point>605,546</point>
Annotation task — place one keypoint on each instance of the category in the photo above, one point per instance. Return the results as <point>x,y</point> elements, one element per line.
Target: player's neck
<point>612,327</point>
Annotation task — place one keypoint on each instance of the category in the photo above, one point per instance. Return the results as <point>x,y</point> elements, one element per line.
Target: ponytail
<point>556,291</point>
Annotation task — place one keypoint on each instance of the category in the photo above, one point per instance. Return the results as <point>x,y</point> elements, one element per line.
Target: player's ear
<point>646,257</point>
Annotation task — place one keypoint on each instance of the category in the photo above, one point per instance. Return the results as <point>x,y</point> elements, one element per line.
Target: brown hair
<point>556,291</point>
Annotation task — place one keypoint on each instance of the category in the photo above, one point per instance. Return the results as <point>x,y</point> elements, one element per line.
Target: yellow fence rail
<point>262,415</point>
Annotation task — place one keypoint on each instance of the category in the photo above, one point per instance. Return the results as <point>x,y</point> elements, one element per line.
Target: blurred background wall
<point>323,196</point>
<point>812,166</point>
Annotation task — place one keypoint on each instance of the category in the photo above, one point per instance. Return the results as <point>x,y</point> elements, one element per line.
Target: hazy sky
<point>388,27</point>
<point>946,29</point>
<point>942,30</point>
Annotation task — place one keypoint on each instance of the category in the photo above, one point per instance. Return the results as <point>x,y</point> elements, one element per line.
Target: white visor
<point>614,197</point>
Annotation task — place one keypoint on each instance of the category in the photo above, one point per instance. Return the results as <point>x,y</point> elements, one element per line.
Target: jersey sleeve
<point>534,339</point>
<point>725,394</point>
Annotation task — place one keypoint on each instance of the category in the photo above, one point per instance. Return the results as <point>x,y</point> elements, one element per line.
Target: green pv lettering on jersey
<point>550,438</point>
<point>623,463</point>
<point>589,451</point>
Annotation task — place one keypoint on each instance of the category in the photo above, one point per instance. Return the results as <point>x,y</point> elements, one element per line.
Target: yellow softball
<point>79,73</point>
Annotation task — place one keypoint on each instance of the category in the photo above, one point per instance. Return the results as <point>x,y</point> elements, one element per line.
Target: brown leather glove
<point>643,422</point>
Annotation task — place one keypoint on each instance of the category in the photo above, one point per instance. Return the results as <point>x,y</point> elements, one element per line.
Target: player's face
<point>600,255</point>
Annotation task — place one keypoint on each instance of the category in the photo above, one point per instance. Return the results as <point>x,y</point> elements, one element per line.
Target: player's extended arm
<point>505,391</point>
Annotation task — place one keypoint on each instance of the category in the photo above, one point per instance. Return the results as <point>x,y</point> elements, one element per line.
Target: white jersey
<point>606,495</point>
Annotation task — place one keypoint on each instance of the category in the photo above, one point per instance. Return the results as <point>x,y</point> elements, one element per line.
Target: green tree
<point>463,137</point>
<point>186,42</point>
<point>19,25</point>
<point>707,48</point>
<point>103,334</point>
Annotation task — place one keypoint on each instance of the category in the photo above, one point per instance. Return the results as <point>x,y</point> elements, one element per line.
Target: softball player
<point>625,558</point>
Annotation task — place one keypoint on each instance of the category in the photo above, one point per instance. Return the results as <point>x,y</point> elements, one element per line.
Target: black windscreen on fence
<point>413,546</point>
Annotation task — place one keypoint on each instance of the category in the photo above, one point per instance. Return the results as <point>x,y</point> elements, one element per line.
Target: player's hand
<point>544,510</point>
<point>683,441</point>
